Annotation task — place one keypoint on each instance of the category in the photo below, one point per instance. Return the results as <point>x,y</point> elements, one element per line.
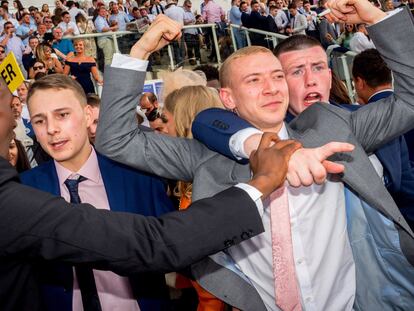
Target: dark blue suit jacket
<point>128,190</point>
<point>214,127</point>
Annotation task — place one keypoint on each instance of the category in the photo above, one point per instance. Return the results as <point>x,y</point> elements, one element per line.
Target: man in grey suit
<point>325,258</point>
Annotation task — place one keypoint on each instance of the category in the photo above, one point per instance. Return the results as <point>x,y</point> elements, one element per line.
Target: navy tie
<point>86,280</point>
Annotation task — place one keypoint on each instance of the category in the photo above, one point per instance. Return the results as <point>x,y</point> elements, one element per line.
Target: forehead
<point>56,99</point>
<point>301,57</point>
<point>257,63</point>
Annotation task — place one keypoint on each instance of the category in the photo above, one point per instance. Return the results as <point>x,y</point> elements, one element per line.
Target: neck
<point>75,164</point>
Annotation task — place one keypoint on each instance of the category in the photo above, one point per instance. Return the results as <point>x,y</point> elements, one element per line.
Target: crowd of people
<point>327,220</point>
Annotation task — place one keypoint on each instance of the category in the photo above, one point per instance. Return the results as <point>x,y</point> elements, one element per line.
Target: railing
<point>341,62</point>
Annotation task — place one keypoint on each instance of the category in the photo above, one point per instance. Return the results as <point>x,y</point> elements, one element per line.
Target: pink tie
<point>286,287</point>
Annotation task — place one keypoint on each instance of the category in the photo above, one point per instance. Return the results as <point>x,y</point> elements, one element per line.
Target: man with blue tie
<point>79,174</point>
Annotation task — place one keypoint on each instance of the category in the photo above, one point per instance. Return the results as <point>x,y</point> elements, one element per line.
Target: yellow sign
<point>11,73</point>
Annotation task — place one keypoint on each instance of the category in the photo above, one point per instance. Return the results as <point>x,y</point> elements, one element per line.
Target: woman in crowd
<point>17,156</point>
<point>19,9</point>
<point>180,108</point>
<point>346,36</point>
<point>44,54</point>
<point>22,91</point>
<point>86,26</point>
<point>81,67</point>
<point>37,67</point>
<point>45,10</point>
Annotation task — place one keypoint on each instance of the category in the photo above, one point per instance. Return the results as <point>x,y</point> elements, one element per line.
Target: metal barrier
<point>275,37</point>
<point>341,63</point>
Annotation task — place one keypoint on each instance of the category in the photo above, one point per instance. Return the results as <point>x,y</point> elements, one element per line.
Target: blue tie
<point>86,280</point>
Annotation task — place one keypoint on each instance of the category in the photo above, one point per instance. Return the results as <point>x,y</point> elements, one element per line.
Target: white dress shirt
<point>324,264</point>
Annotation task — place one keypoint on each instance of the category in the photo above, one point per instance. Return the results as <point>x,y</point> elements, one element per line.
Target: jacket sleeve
<point>38,226</point>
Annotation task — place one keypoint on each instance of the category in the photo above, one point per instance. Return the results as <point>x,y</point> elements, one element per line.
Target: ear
<point>359,83</point>
<point>227,99</point>
<point>88,115</point>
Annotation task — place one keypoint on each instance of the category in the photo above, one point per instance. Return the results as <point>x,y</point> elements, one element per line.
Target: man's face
<point>48,22</point>
<point>102,11</point>
<point>115,9</point>
<point>41,29</point>
<point>299,3</point>
<point>2,12</point>
<point>57,34</point>
<point>136,14</point>
<point>26,19</point>
<point>243,8</point>
<point>273,12</point>
<point>60,124</point>
<point>307,7</point>
<point>279,4</point>
<point>22,92</point>
<point>16,106</point>
<point>93,124</point>
<point>255,7</point>
<point>258,93</point>
<point>38,18</point>
<point>33,43</point>
<point>66,18</point>
<point>7,122</point>
<point>9,28</point>
<point>292,12</point>
<point>308,77</point>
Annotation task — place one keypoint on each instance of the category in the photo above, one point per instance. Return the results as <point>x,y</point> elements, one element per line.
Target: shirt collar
<point>283,133</point>
<point>89,170</point>
<point>384,90</point>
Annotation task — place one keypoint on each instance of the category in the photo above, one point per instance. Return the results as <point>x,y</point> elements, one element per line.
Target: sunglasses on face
<point>38,68</point>
<point>47,22</point>
<point>2,51</point>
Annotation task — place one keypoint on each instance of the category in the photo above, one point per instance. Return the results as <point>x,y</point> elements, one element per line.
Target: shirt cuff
<point>254,194</point>
<point>127,62</point>
<point>236,143</point>
<point>389,14</point>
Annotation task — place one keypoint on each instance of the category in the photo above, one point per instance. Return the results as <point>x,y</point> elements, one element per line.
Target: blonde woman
<point>180,108</point>
<point>45,55</point>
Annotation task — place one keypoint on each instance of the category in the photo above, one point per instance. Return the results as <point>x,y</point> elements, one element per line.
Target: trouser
<point>240,38</point>
<point>193,45</point>
<point>107,46</point>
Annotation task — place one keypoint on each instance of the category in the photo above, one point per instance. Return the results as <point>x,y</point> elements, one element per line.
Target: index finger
<point>331,148</point>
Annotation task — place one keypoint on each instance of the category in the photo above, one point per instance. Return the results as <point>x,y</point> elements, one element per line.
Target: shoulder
<point>43,169</point>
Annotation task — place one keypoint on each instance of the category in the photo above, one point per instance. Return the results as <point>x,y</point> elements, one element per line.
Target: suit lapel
<point>115,185</point>
<point>358,168</point>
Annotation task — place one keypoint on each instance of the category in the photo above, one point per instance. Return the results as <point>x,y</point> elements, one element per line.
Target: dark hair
<point>64,13</point>
<point>339,92</point>
<point>33,37</point>
<point>22,163</point>
<point>370,67</point>
<point>292,5</point>
<point>296,43</point>
<point>211,72</point>
<point>20,6</point>
<point>254,2</point>
<point>69,4</point>
<point>7,23</point>
<point>93,100</point>
<point>272,7</point>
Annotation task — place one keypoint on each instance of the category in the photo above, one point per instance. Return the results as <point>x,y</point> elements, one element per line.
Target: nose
<point>310,79</point>
<point>270,87</point>
<point>52,126</point>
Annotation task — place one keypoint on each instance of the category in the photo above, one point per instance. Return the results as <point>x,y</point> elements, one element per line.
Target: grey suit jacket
<point>119,138</point>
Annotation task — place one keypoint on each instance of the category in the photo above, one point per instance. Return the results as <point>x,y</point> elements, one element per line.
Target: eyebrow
<point>303,65</point>
<point>39,115</point>
<point>259,73</point>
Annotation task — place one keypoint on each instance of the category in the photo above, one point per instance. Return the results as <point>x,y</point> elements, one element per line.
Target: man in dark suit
<point>373,82</point>
<point>38,227</point>
<point>109,185</point>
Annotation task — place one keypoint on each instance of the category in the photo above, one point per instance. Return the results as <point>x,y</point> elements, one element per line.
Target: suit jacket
<point>187,160</point>
<point>38,227</point>
<point>299,23</point>
<point>128,191</point>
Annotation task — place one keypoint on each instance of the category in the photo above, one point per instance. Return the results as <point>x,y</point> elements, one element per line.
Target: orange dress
<point>207,301</point>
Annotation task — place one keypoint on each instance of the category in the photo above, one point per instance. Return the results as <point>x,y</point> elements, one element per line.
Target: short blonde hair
<point>177,79</point>
<point>224,74</point>
<point>187,102</point>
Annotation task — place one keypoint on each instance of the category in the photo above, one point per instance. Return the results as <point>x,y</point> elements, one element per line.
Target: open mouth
<point>312,98</point>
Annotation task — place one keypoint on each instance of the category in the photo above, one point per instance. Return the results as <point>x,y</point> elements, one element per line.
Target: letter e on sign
<point>11,73</point>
